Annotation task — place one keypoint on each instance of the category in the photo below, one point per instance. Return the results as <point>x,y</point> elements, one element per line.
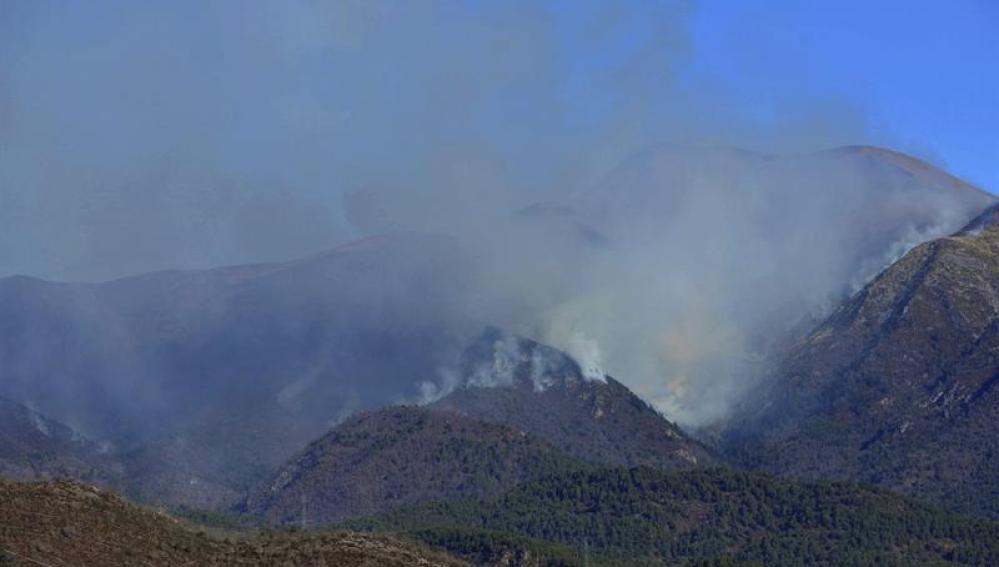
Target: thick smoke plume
<point>577,158</point>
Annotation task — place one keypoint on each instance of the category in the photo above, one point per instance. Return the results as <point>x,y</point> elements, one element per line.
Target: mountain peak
<point>538,389</point>
<point>498,358</point>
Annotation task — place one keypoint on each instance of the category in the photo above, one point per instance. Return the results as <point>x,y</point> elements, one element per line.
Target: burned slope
<point>65,523</point>
<point>397,456</point>
<point>899,386</point>
<point>540,390</point>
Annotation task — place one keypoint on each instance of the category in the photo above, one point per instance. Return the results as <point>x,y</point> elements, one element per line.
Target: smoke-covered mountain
<point>719,256</point>
<point>898,386</point>
<point>207,380</point>
<point>397,456</point>
<point>540,390</point>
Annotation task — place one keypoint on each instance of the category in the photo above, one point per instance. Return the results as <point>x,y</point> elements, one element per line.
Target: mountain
<point>538,389</point>
<point>203,382</point>
<point>898,387</point>
<point>207,380</point>
<point>65,523</point>
<point>387,458</point>
<point>702,517</point>
<point>35,446</point>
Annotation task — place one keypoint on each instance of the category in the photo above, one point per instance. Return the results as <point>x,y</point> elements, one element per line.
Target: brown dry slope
<point>63,523</point>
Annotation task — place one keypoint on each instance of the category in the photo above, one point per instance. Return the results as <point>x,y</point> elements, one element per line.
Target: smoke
<point>576,155</point>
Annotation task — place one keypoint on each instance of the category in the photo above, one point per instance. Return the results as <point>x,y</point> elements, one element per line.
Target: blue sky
<point>139,135</point>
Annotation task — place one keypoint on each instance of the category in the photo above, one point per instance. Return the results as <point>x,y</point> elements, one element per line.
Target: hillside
<point>35,446</point>
<point>402,455</point>
<point>898,386</point>
<point>662,517</point>
<point>540,390</point>
<point>64,523</point>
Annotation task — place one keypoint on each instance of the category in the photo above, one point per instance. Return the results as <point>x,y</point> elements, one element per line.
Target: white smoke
<point>586,352</point>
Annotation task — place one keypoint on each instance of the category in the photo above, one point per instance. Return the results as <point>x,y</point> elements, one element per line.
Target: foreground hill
<point>35,446</point>
<point>646,515</point>
<point>899,386</point>
<point>64,523</point>
<point>540,390</point>
<point>405,455</point>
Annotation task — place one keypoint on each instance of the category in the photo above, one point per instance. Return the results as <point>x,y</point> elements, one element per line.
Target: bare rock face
<point>540,390</point>
<point>899,386</point>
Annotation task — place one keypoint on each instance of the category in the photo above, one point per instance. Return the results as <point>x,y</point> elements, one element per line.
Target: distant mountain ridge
<point>919,169</point>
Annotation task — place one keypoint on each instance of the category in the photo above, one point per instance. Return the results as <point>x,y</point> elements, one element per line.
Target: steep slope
<point>645,515</point>
<point>898,386</point>
<point>34,446</point>
<point>402,455</point>
<point>64,523</point>
<point>210,379</point>
<point>540,390</point>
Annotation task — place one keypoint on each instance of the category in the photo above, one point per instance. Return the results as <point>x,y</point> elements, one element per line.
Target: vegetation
<point>715,516</point>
